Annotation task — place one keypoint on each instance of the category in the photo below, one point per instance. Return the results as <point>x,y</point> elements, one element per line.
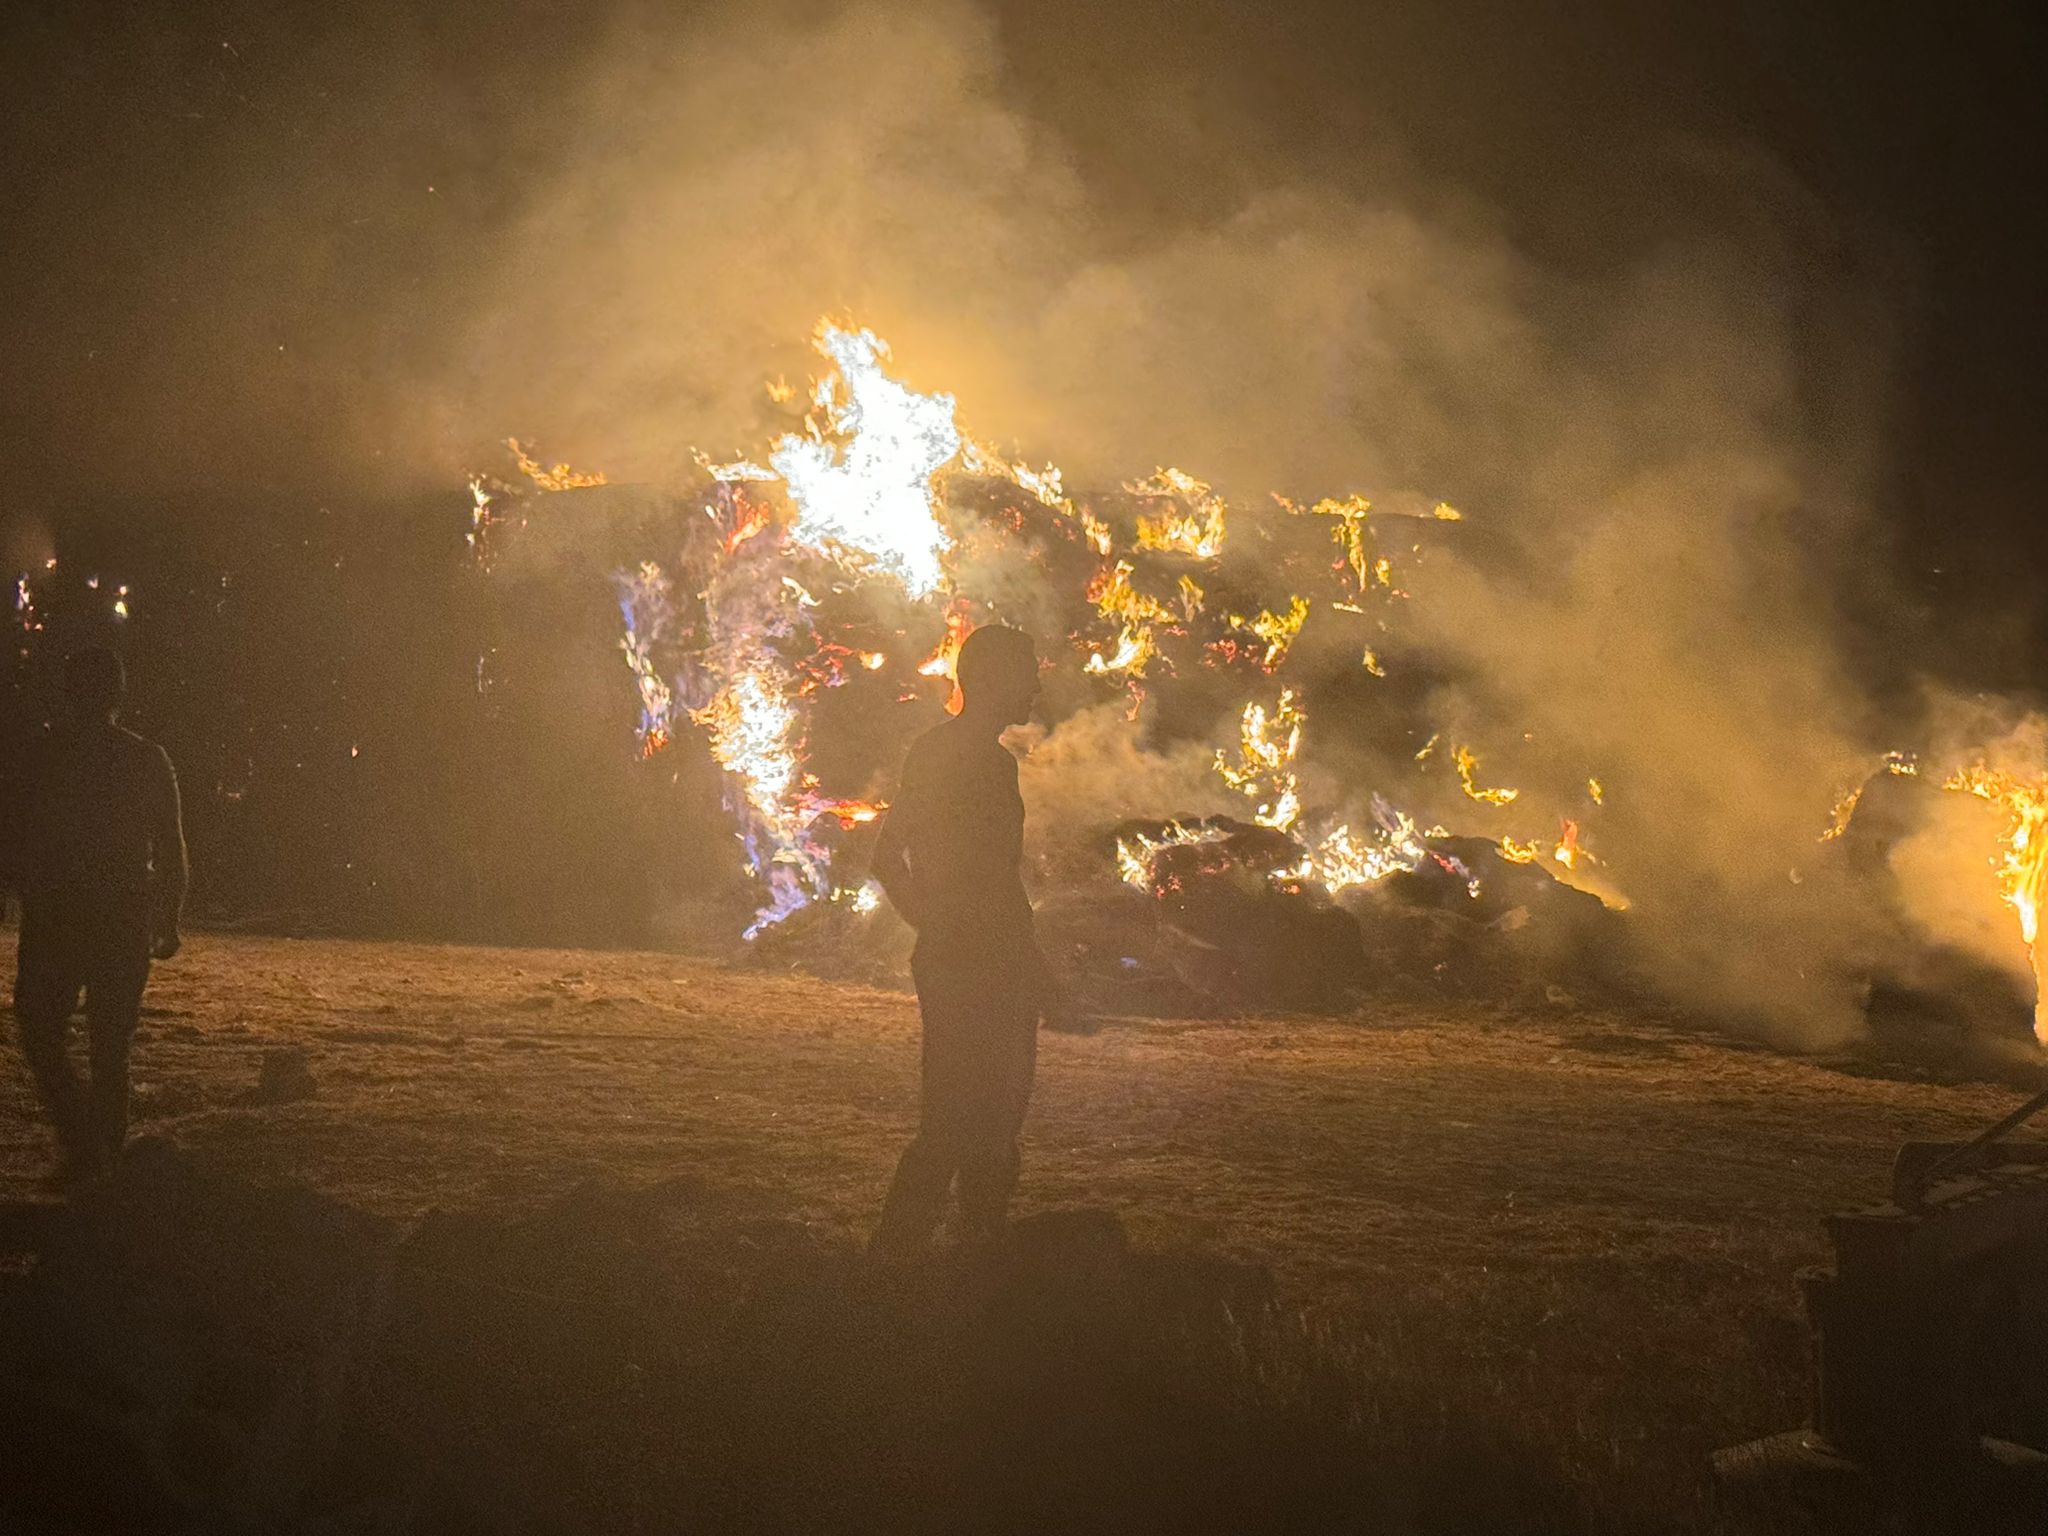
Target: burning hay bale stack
<point>1216,915</point>
<point>1243,661</point>
<point>1956,983</point>
<point>807,613</point>
<point>1235,914</point>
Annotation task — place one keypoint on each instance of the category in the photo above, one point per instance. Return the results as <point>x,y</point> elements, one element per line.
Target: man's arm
<point>172,868</point>
<point>892,866</point>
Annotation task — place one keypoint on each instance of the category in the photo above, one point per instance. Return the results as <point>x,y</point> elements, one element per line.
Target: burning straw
<point>857,551</point>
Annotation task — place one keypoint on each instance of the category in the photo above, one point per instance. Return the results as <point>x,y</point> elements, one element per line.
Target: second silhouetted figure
<point>950,860</point>
<point>102,877</point>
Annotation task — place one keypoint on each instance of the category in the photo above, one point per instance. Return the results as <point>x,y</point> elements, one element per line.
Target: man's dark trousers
<point>98,946</point>
<point>980,1014</point>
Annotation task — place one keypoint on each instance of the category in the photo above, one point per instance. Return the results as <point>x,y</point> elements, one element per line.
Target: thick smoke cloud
<point>1664,467</point>
<point>1667,453</point>
<point>739,180</point>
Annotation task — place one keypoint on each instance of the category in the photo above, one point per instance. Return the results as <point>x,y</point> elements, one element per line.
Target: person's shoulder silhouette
<point>955,760</point>
<point>103,799</point>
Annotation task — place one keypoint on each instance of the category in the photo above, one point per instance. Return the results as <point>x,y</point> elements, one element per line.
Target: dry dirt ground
<point>1575,1225</point>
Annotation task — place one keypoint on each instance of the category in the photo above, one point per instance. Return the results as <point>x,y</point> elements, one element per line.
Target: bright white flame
<point>752,726</point>
<point>869,501</point>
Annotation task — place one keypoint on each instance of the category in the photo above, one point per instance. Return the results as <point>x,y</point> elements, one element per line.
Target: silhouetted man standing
<point>102,880</point>
<point>949,859</point>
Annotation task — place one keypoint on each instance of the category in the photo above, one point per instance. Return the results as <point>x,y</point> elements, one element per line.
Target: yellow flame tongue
<point>2023,866</point>
<point>1264,771</point>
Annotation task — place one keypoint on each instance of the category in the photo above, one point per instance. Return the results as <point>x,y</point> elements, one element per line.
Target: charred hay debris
<point>797,613</point>
<point>1220,924</point>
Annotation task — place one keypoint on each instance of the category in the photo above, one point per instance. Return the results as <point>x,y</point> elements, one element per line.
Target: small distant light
<point>354,750</point>
<point>120,610</point>
<point>93,582</point>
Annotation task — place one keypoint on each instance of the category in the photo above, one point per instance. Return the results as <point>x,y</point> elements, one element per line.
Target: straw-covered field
<point>1550,1255</point>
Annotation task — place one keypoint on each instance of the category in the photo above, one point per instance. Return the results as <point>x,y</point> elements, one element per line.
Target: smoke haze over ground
<point>1660,372</point>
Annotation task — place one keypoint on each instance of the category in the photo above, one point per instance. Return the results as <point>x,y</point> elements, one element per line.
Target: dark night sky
<point>219,233</point>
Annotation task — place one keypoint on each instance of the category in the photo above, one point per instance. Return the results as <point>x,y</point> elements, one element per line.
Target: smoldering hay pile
<point>1269,773</point>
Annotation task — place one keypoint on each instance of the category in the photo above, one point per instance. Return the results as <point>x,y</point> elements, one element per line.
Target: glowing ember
<point>1568,852</point>
<point>753,520</point>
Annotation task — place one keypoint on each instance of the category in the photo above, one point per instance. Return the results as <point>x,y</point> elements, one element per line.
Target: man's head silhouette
<point>94,682</point>
<point>998,675</point>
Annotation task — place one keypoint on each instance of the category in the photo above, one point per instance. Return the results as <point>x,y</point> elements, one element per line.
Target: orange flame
<point>944,660</point>
<point>558,478</point>
<point>2023,864</point>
